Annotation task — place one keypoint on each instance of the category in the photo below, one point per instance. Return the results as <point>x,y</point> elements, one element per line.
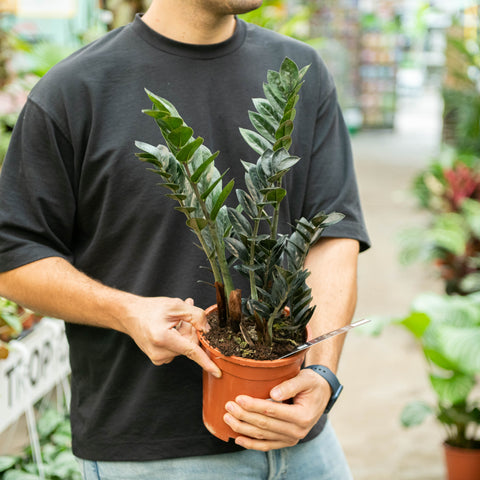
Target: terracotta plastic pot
<point>240,376</point>
<point>462,463</point>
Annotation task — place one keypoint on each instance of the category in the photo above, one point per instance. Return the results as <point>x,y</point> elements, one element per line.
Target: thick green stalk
<point>251,273</point>
<point>224,276</point>
<point>276,216</point>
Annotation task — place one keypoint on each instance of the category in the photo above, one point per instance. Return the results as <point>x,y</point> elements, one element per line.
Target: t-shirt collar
<point>174,47</point>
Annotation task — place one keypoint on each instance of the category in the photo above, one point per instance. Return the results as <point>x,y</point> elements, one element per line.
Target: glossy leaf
<point>255,140</point>
<point>180,136</point>
<point>187,152</point>
<point>274,98</point>
<point>263,126</point>
<point>266,110</point>
<point>288,74</point>
<point>210,189</point>
<point>247,203</point>
<point>241,226</point>
<point>197,223</point>
<point>237,248</point>
<point>221,199</point>
<point>283,142</point>
<point>196,176</point>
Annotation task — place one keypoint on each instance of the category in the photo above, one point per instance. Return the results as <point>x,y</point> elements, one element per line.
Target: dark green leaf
<point>302,72</point>
<point>289,112</point>
<point>241,226</point>
<point>159,102</point>
<point>237,248</point>
<point>167,123</point>
<point>187,152</point>
<point>288,74</point>
<point>197,223</point>
<point>210,189</point>
<point>221,199</point>
<point>247,203</point>
<point>176,196</point>
<point>186,210</point>
<point>283,142</point>
<point>162,104</point>
<point>284,130</point>
<point>180,136</point>
<point>276,195</point>
<point>203,167</point>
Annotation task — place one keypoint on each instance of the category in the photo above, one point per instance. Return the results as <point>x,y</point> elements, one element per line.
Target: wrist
<point>335,386</point>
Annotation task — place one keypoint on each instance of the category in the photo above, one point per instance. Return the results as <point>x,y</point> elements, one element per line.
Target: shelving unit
<point>378,73</point>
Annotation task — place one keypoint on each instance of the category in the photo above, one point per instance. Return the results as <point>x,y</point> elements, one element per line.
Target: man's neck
<point>185,22</point>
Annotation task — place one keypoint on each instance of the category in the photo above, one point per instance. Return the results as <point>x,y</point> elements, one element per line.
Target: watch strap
<point>332,380</point>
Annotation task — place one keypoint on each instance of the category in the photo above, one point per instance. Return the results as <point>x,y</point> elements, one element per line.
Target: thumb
<point>288,389</point>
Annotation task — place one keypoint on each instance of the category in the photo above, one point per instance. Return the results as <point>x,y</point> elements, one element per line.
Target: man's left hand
<point>267,425</point>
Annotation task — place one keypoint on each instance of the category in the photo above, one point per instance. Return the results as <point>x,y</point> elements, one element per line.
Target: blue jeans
<point>319,459</point>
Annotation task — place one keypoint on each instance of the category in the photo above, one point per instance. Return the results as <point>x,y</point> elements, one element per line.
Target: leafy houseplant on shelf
<point>448,330</point>
<point>272,320</point>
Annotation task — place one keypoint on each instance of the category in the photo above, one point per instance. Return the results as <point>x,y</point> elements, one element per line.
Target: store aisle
<point>382,374</point>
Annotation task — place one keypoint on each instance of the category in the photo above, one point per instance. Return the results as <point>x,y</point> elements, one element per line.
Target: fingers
<point>178,310</point>
<point>184,345</point>
<point>266,424</point>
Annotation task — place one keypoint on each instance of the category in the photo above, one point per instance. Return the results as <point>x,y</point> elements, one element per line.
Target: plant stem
<point>223,273</point>
<point>276,216</point>
<point>251,273</point>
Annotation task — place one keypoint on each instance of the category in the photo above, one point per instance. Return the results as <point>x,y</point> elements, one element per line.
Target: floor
<point>381,374</point>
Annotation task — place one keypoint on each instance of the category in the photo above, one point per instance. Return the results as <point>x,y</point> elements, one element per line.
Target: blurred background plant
<point>449,189</point>
<point>53,427</point>
<point>447,328</point>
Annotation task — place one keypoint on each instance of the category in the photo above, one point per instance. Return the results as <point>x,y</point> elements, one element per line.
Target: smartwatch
<point>332,380</point>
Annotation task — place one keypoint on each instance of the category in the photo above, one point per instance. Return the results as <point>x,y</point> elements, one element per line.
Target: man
<point>87,236</point>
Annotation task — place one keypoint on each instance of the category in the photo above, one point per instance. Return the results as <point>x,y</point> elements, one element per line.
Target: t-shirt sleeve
<point>331,183</point>
<point>37,200</point>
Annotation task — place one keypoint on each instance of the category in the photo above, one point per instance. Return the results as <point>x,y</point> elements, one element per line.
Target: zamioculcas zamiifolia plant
<point>230,237</point>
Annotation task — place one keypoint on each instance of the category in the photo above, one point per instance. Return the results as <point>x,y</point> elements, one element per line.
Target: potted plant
<point>449,188</point>
<point>448,330</point>
<point>272,319</point>
<point>14,320</point>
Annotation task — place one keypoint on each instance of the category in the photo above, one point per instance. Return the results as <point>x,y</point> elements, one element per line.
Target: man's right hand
<point>164,328</point>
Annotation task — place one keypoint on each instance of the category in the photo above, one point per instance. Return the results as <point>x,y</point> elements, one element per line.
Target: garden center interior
<point>408,78</point>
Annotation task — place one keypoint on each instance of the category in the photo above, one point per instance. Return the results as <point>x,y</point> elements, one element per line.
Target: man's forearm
<point>162,327</point>
<point>53,287</point>
<point>333,279</point>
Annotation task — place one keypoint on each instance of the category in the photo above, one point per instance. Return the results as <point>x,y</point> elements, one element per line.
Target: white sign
<point>34,366</point>
<point>47,8</point>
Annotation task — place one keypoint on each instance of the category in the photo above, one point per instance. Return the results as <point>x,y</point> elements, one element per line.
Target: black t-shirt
<point>72,187</point>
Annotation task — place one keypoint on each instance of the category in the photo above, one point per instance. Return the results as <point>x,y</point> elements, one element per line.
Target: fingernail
<point>227,418</point>
<point>230,407</point>
<point>276,393</point>
<point>217,373</point>
<point>239,441</point>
